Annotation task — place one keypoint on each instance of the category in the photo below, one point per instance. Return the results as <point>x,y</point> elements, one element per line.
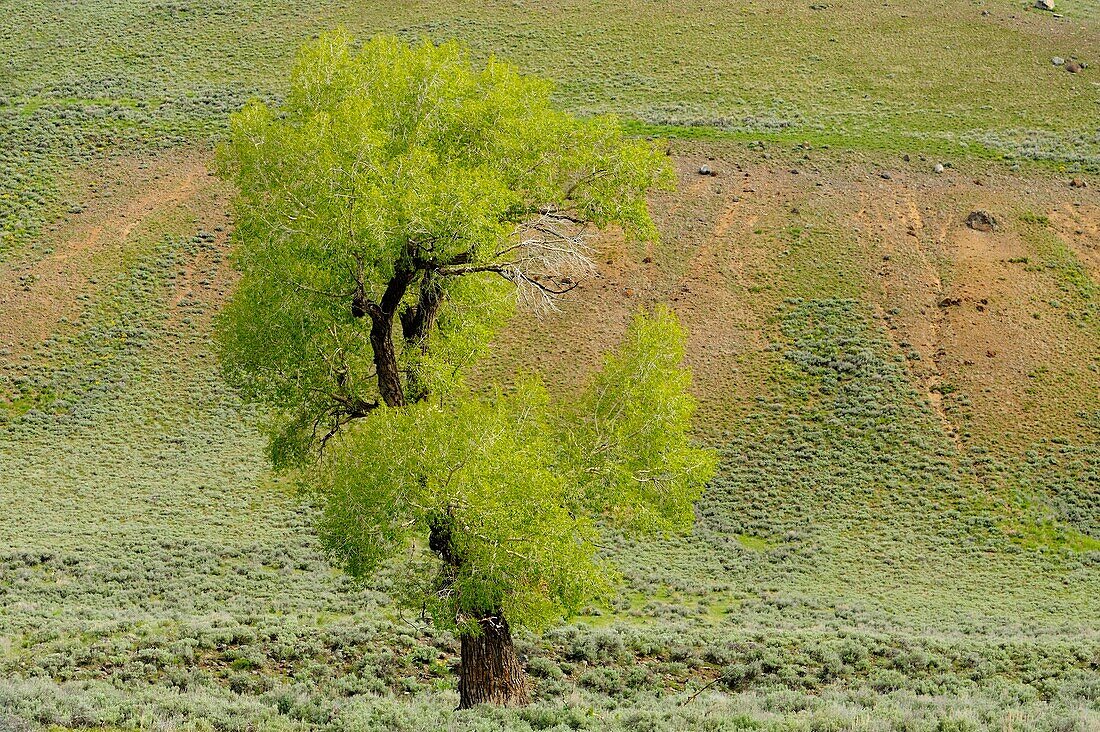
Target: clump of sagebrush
<point>391,213</point>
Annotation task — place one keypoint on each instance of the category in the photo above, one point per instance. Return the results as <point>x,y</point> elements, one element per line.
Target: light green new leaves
<point>627,439</point>
<point>380,154</point>
<point>413,171</point>
<point>487,465</point>
<point>525,482</point>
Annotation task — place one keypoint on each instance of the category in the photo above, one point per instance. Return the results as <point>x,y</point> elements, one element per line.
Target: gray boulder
<point>981,221</point>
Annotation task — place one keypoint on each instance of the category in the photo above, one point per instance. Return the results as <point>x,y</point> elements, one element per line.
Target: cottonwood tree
<point>392,213</point>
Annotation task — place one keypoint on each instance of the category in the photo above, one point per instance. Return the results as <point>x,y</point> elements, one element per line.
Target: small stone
<point>949,302</point>
<point>981,221</point>
<point>1078,183</point>
<point>1044,4</point>
<point>704,170</point>
<point>1073,67</point>
<point>1057,60</point>
<point>938,169</point>
<point>885,176</point>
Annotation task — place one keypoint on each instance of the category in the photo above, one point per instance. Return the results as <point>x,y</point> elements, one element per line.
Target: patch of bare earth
<point>973,320</point>
<point>1078,224</point>
<point>125,202</point>
<point>995,357</point>
<point>959,303</point>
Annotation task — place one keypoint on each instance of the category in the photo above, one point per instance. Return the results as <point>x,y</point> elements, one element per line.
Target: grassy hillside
<point>82,78</point>
<point>905,531</point>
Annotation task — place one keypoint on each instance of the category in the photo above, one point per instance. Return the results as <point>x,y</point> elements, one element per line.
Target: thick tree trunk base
<point>491,673</point>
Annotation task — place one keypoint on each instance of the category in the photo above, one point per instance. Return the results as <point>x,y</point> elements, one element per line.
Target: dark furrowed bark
<point>491,672</point>
<point>417,323</point>
<point>381,335</point>
<point>385,360</point>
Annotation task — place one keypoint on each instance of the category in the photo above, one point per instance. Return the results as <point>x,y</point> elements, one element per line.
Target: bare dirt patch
<point>969,310</point>
<point>126,202</point>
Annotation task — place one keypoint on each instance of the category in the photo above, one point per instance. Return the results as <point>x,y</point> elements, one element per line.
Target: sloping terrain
<point>905,530</point>
<point>876,554</point>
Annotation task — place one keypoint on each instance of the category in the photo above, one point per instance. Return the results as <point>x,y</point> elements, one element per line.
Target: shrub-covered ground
<point>905,533</point>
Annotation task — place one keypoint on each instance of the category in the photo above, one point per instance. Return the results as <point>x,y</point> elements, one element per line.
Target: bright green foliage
<point>394,158</point>
<point>484,462</point>
<point>627,437</point>
<point>523,482</point>
<point>390,214</point>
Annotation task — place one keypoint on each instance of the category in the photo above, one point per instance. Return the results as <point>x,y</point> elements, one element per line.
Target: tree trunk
<point>385,359</point>
<point>417,323</point>
<point>491,673</point>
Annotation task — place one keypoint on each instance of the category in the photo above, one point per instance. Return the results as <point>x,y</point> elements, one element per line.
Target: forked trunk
<point>491,673</point>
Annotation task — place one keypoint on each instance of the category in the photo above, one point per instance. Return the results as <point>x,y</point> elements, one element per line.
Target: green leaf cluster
<point>525,484</point>
<point>390,158</point>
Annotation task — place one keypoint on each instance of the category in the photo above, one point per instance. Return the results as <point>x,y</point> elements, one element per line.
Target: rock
<point>949,302</point>
<point>938,168</point>
<point>1073,67</point>
<point>704,170</point>
<point>885,176</point>
<point>1057,60</point>
<point>981,221</point>
<point>1078,183</point>
<point>1044,4</point>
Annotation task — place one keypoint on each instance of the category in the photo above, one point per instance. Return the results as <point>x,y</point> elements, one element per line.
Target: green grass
<point>86,78</point>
